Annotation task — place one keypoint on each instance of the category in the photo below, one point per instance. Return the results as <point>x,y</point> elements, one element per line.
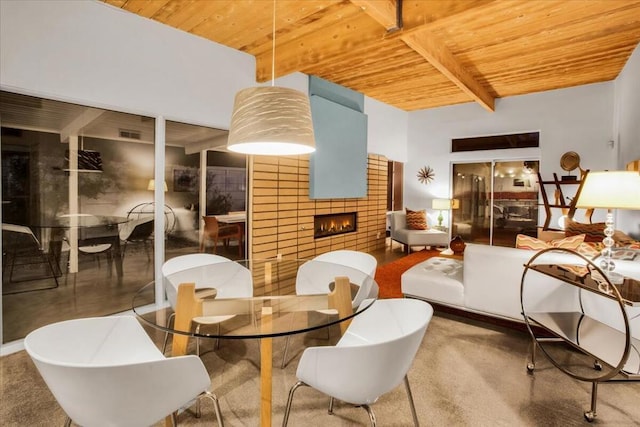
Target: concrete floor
<point>466,373</point>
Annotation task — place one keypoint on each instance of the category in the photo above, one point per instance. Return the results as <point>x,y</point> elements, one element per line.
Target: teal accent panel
<point>336,93</point>
<point>338,167</point>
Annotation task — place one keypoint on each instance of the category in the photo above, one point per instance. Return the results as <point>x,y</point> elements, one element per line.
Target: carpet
<point>388,275</point>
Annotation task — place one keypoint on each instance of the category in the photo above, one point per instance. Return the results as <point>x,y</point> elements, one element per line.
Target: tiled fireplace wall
<point>282,213</point>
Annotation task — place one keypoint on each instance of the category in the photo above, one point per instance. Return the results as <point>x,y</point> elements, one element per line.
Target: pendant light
<point>271,120</point>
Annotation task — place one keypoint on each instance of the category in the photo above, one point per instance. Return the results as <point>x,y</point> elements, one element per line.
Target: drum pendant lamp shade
<point>271,120</point>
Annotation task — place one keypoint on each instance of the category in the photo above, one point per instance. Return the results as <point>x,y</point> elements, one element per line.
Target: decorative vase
<point>457,245</point>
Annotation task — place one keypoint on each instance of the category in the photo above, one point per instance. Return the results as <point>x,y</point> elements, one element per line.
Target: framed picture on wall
<point>185,180</point>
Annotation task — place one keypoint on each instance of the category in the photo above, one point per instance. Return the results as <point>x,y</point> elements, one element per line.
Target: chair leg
<point>330,410</point>
<point>285,420</point>
<point>172,317</point>
<point>197,341</point>
<point>218,339</point>
<point>411,404</point>
<point>216,405</point>
<point>372,416</point>
<point>286,345</point>
<point>284,355</point>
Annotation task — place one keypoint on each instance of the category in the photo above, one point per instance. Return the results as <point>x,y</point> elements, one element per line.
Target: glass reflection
<point>498,201</point>
<point>70,176</point>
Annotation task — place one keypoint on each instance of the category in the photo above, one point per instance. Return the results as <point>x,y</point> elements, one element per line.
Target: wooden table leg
<point>266,365</point>
<point>340,300</point>
<point>188,306</point>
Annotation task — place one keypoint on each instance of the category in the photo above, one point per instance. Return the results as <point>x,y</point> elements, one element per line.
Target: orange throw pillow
<point>416,220</point>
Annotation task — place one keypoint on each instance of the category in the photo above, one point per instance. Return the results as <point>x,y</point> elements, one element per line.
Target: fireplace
<point>333,224</point>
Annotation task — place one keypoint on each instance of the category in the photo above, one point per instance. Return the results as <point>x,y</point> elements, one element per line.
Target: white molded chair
<point>238,286</point>
<point>92,249</point>
<point>371,359</point>
<point>315,276</point>
<point>137,231</point>
<point>106,371</point>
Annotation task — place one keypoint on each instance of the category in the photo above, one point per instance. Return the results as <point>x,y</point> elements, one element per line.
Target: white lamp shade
<point>152,185</point>
<point>271,120</point>
<point>610,190</point>
<point>445,204</point>
<point>441,204</point>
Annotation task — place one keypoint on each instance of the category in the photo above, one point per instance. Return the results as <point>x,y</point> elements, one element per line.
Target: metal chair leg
<point>218,339</point>
<point>284,355</point>
<point>198,341</point>
<point>170,321</point>
<point>411,404</point>
<point>285,420</point>
<point>330,410</point>
<point>216,405</point>
<point>286,345</point>
<point>372,416</point>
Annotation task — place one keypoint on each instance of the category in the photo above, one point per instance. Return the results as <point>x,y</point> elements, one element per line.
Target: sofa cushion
<point>593,232</point>
<point>436,279</point>
<point>416,220</point>
<point>531,243</point>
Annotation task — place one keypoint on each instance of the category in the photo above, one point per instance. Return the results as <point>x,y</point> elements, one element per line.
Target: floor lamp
<point>610,190</point>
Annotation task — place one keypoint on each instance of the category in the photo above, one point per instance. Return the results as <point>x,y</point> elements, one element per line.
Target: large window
<point>498,201</point>
<point>70,175</point>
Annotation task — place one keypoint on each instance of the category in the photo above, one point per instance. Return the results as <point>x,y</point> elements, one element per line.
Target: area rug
<point>388,275</point>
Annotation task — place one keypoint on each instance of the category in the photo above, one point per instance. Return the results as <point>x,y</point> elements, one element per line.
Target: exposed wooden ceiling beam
<point>444,61</point>
<point>384,12</point>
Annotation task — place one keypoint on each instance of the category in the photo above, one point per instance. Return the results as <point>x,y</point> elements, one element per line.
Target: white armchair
<point>408,237</point>
<point>106,371</point>
<point>371,359</point>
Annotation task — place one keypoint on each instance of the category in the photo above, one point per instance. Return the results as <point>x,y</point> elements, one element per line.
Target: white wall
<point>575,119</point>
<point>627,129</point>
<point>94,54</point>
<point>386,130</point>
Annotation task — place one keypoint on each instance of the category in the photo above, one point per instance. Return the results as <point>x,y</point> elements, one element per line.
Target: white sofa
<point>401,234</point>
<point>488,280</point>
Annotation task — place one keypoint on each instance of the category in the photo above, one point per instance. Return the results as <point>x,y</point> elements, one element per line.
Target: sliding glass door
<point>498,201</point>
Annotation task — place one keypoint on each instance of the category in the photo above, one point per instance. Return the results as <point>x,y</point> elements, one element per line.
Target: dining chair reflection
<point>215,232</point>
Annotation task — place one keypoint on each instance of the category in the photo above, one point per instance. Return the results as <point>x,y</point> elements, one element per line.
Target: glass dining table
<point>255,299</point>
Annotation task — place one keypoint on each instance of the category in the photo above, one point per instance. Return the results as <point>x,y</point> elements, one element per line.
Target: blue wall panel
<point>338,168</point>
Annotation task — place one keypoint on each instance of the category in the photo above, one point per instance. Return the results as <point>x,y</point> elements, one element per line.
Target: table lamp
<point>610,190</point>
<point>444,204</point>
<point>152,185</point>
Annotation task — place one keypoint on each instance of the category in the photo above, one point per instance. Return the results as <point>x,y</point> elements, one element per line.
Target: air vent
<point>130,134</point>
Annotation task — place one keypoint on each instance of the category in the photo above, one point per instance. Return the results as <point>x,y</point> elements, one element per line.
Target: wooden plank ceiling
<point>447,52</point>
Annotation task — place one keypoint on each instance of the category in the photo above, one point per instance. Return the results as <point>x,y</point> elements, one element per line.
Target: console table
<point>592,318</point>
